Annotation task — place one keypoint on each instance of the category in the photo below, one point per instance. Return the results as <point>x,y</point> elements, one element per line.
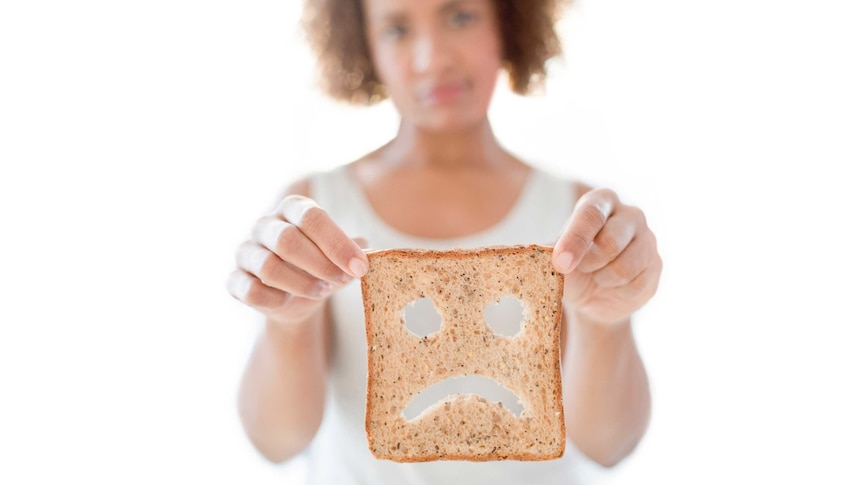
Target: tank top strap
<point>330,189</point>
<point>336,193</point>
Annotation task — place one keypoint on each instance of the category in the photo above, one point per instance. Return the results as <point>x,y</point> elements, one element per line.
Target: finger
<point>591,212</point>
<point>315,223</point>
<point>609,243</point>
<point>290,244</point>
<point>628,265</point>
<point>274,272</point>
<point>644,286</point>
<point>249,290</point>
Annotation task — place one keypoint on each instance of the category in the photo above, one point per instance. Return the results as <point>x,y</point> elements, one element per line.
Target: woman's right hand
<point>294,260</point>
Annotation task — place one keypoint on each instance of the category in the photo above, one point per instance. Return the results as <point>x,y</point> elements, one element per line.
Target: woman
<point>444,181</point>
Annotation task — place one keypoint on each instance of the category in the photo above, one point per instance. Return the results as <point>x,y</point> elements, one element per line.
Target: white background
<point>140,140</point>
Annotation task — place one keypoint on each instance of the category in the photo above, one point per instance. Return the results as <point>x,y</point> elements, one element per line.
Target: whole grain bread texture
<point>461,283</point>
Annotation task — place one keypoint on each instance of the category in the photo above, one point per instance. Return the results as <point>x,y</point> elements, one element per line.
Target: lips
<point>444,93</point>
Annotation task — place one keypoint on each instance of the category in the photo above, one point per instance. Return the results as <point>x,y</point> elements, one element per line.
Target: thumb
<point>361,242</point>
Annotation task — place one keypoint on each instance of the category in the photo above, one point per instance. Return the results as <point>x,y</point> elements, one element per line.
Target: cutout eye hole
<point>505,316</point>
<point>421,318</point>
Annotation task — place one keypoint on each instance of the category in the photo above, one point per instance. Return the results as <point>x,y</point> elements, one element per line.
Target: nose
<point>430,52</point>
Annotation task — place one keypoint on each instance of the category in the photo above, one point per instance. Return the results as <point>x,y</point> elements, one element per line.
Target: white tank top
<point>339,452</point>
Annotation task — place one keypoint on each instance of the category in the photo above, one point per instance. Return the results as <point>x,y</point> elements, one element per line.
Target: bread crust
<point>494,433</point>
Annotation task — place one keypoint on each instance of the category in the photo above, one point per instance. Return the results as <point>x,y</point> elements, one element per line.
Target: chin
<point>451,122</point>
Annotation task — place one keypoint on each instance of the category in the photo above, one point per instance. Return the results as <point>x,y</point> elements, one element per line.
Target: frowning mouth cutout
<point>463,387</point>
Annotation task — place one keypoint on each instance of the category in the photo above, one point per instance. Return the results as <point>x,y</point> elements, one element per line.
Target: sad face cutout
<point>486,367</point>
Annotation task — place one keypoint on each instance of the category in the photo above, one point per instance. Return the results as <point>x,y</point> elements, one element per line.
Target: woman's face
<point>439,59</point>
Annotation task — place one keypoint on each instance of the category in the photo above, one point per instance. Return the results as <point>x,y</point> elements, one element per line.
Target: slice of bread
<point>461,283</point>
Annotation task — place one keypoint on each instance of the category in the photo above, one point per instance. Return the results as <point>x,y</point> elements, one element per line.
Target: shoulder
<point>580,188</point>
<point>318,183</point>
<point>305,185</point>
<point>301,186</point>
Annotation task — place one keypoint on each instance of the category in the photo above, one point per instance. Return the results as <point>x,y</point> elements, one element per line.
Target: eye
<point>506,316</point>
<point>462,18</point>
<point>394,31</point>
<point>421,318</point>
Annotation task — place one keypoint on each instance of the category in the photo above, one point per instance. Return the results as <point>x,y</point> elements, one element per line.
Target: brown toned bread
<point>461,283</point>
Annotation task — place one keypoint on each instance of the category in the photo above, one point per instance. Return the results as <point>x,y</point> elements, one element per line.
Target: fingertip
<point>564,262</point>
<point>239,285</point>
<point>358,267</point>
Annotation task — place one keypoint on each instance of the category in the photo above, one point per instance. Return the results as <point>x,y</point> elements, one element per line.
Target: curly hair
<point>335,30</point>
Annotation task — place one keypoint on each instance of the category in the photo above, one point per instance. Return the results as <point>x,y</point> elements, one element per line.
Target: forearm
<point>282,393</point>
<point>606,390</point>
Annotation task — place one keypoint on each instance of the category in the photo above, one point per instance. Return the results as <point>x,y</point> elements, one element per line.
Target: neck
<point>475,147</point>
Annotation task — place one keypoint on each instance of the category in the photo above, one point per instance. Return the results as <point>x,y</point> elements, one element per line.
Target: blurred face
<point>439,59</point>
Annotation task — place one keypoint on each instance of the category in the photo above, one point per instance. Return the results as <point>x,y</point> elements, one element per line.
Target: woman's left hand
<point>609,258</point>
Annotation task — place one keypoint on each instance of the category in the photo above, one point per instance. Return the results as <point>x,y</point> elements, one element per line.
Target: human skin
<point>439,60</point>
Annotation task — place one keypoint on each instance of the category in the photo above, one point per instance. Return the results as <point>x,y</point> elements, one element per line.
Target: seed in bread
<point>461,283</point>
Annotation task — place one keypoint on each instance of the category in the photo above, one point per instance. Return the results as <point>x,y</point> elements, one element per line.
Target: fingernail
<point>239,285</point>
<point>323,289</point>
<point>358,267</point>
<point>564,262</point>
